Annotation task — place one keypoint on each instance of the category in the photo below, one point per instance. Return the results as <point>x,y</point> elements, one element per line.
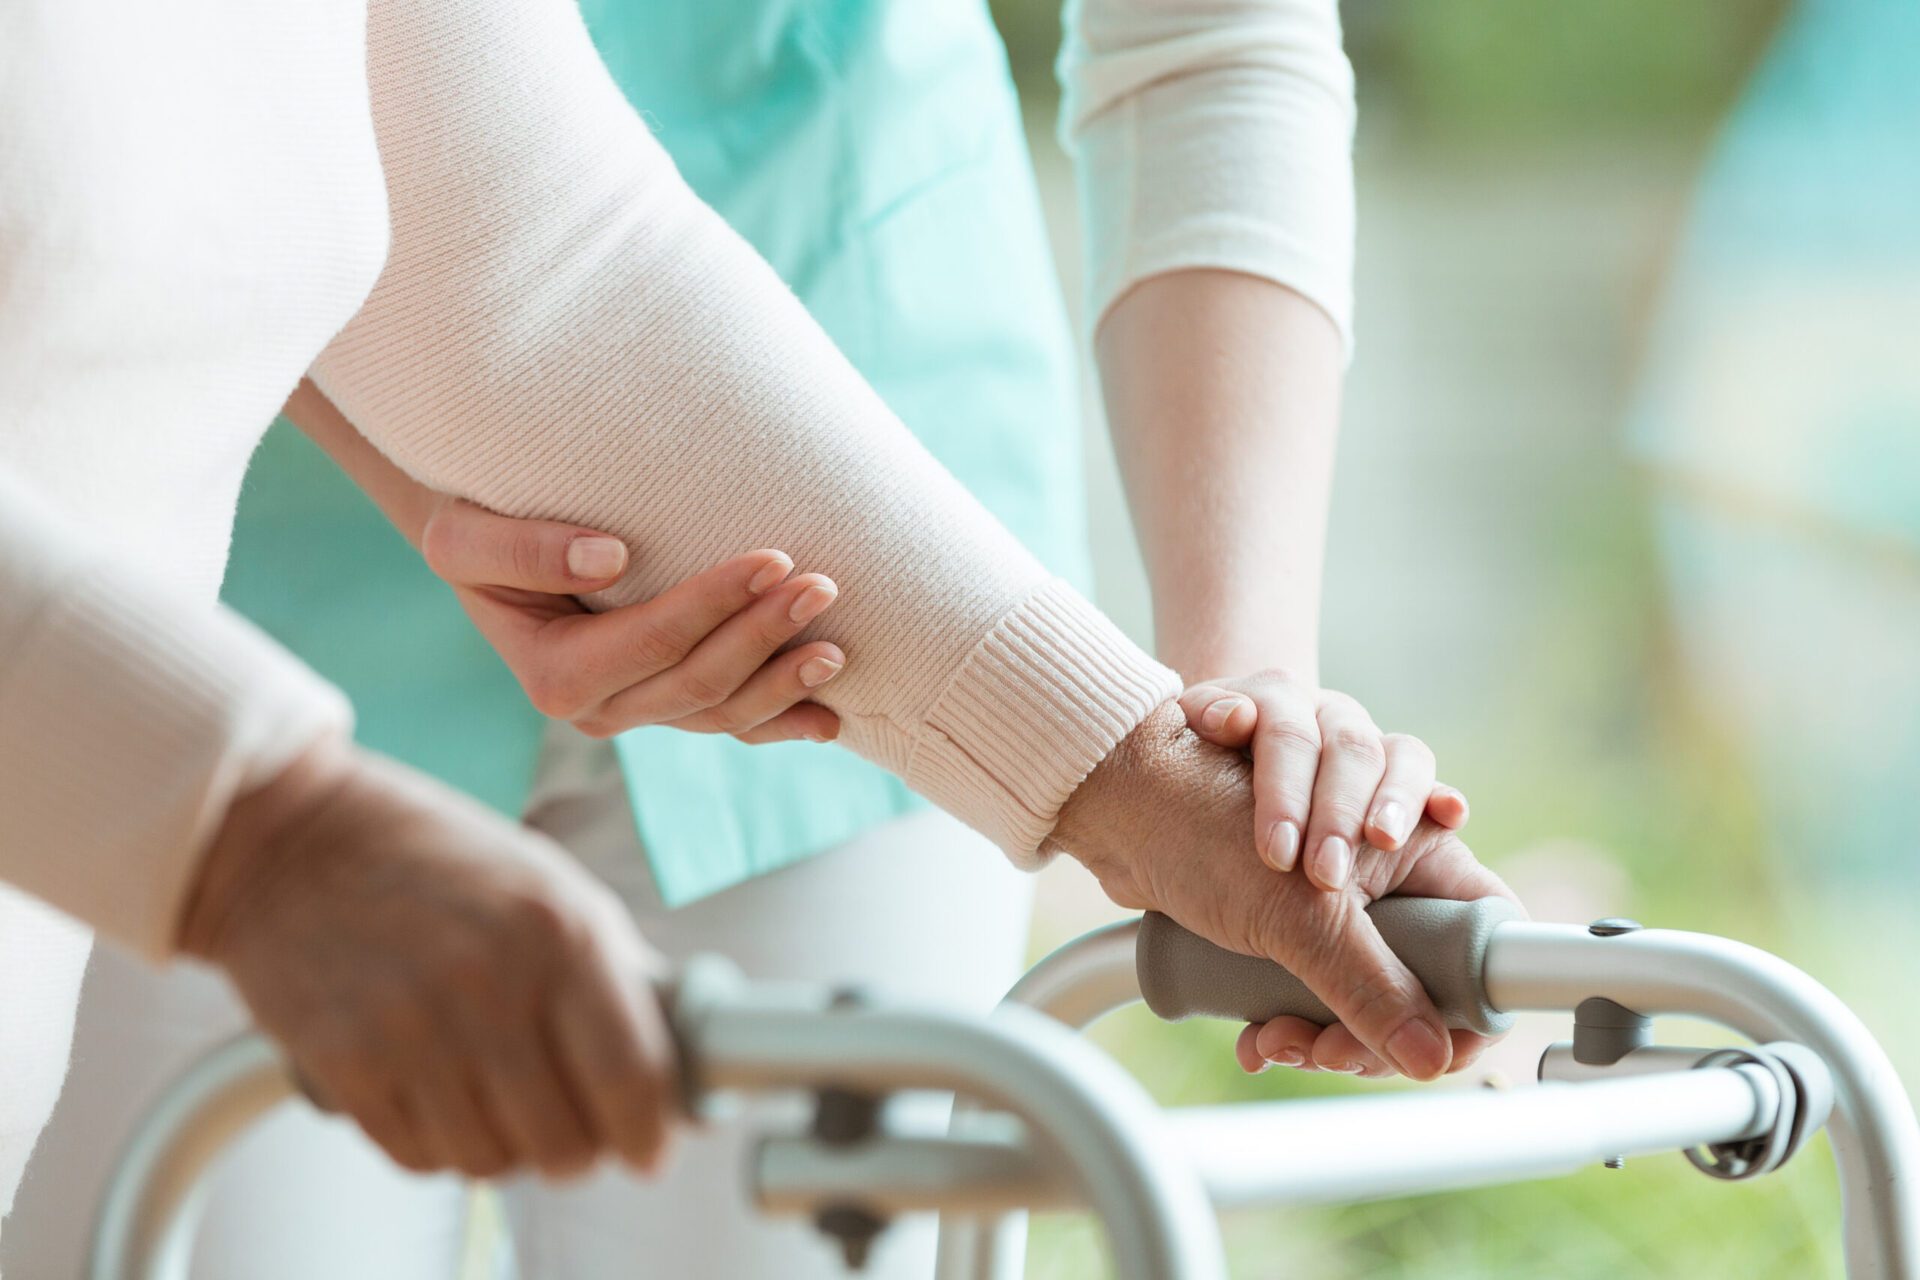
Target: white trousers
<point>921,908</point>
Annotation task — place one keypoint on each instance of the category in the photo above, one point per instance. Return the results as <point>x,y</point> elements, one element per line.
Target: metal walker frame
<point>1047,1121</point>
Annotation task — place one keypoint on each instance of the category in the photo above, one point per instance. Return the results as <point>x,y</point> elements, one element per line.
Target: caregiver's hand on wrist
<point>453,982</point>
<point>1326,780</point>
<point>1165,823</point>
<point>705,656</point>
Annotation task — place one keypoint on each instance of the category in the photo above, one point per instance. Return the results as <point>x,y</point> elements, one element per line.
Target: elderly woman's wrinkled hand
<point>453,982</point>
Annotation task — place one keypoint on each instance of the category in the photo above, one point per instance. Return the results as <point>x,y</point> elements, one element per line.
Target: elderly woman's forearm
<point>563,331</point>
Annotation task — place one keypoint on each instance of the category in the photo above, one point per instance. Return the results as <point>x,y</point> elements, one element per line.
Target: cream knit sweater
<point>196,197</point>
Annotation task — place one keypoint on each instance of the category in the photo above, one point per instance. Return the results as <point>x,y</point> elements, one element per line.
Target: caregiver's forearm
<point>563,331</point>
<point>1223,397</point>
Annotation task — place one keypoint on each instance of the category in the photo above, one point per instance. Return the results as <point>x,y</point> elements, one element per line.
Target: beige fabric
<point>1212,133</point>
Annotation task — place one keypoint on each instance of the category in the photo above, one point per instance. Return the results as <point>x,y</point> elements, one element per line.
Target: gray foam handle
<point>1182,975</point>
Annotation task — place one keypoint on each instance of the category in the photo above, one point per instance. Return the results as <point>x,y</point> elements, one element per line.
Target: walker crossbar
<point>1046,1121</point>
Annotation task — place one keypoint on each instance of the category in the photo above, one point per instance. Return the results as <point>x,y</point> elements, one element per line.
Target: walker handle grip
<point>1182,975</point>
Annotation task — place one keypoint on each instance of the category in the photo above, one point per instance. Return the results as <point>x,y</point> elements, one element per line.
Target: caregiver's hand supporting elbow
<point>705,656</point>
<point>1165,823</point>
<point>453,982</point>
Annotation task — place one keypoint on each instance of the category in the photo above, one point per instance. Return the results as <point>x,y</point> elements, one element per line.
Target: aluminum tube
<point>1077,983</point>
<point>1876,1143</point>
<point>1296,1153</point>
<point>1081,1108</point>
<point>151,1205</point>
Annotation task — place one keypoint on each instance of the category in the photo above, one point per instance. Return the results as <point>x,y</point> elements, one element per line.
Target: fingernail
<point>769,575</point>
<point>1390,818</point>
<point>595,558</point>
<point>1345,1068</point>
<point>815,672</point>
<point>1336,862</point>
<point>1218,712</point>
<point>818,737</point>
<point>1417,1050</point>
<point>1288,1058</point>
<point>809,604</point>
<point>1263,1068</point>
<point>1283,846</point>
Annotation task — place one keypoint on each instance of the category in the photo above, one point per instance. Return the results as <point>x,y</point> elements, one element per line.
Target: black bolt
<point>1613,927</point>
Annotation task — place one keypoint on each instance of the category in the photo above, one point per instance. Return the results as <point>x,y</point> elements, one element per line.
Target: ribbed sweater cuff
<point>131,726</point>
<point>1038,703</point>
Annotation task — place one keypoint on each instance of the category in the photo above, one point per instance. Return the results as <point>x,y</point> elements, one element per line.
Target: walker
<point>1046,1121</point>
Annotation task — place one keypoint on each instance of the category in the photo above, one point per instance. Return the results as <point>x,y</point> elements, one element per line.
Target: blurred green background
<point>1586,627</point>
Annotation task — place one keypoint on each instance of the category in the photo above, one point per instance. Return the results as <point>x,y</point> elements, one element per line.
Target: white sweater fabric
<point>195,201</point>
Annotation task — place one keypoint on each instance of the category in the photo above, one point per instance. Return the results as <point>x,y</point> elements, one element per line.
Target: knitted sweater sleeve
<point>1212,133</point>
<point>563,330</point>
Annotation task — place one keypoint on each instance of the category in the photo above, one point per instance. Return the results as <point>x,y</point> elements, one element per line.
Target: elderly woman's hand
<point>1327,783</point>
<point>705,656</point>
<point>1163,823</point>
<point>453,982</point>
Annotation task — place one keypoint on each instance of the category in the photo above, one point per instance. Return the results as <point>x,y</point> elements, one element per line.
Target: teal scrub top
<point>872,151</point>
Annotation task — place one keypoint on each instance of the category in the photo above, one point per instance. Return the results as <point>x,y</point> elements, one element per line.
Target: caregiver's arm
<point>563,331</point>
<point>1212,147</point>
<point>710,655</point>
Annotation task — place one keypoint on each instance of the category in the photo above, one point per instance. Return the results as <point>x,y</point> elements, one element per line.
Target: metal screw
<point>1615,1162</point>
<point>1613,927</point>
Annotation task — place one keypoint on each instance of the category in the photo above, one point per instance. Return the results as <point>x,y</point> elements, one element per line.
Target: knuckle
<point>530,557</point>
<point>1408,746</point>
<point>1293,735</point>
<point>728,718</point>
<point>1359,743</point>
<point>1278,675</point>
<point>701,690</point>
<point>553,693</point>
<point>653,649</point>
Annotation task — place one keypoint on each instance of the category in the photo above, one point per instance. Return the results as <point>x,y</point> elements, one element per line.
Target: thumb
<point>1376,996</point>
<point>470,546</point>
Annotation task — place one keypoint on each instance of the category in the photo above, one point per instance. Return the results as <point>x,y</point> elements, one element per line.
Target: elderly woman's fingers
<point>1403,793</point>
<point>726,662</point>
<point>470,546</point>
<point>536,1110</point>
<point>456,1130</point>
<point>1338,1050</point>
<point>1287,1042</point>
<point>618,1057</point>
<point>1467,1048</point>
<point>1353,759</point>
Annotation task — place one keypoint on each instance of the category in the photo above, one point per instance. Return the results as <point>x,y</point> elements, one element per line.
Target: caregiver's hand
<point>453,982</point>
<point>1164,821</point>
<point>704,656</point>
<point>1326,781</point>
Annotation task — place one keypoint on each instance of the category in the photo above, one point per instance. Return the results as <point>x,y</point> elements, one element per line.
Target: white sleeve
<point>129,721</point>
<point>1212,133</point>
